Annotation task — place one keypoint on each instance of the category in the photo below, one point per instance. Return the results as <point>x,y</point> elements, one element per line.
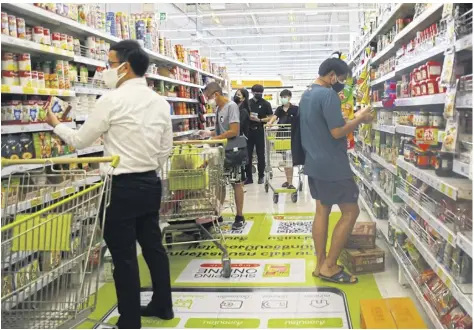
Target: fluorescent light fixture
<point>347,42</point>
<point>251,27</point>
<point>272,12</point>
<point>265,57</point>
<point>279,50</point>
<point>266,36</point>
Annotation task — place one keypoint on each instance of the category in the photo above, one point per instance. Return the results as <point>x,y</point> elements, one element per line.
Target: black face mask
<point>338,87</point>
<point>237,99</point>
<point>258,96</point>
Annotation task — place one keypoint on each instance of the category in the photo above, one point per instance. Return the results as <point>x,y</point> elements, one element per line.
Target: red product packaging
<point>433,69</point>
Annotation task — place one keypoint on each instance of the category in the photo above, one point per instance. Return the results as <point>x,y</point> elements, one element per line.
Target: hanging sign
<point>163,17</point>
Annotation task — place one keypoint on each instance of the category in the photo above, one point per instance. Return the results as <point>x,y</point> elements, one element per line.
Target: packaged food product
<point>8,78</point>
<point>12,26</point>
<point>29,33</point>
<point>34,79</point>
<point>436,120</point>
<point>42,144</point>
<point>447,73</point>
<point>21,28</point>
<point>41,81</point>
<point>38,34</point>
<point>47,36</point>
<point>70,43</point>
<point>5,28</point>
<point>363,236</point>
<point>450,103</point>
<point>57,106</point>
<point>17,110</point>
<point>25,78</point>
<point>24,62</point>
<point>63,44</point>
<point>8,62</point>
<point>450,138</point>
<point>56,39</point>
<point>433,69</point>
<point>27,148</point>
<point>363,260</point>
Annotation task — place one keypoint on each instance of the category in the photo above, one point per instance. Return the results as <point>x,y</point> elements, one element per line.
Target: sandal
<point>285,185</point>
<point>341,267</point>
<point>340,278</point>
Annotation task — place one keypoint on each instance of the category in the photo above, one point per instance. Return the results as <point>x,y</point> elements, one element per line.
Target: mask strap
<point>123,74</point>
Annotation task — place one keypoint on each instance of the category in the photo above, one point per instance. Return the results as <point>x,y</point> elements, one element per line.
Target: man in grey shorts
<point>331,181</point>
<point>227,126</point>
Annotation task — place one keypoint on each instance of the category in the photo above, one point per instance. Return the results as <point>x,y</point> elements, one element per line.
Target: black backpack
<point>297,151</point>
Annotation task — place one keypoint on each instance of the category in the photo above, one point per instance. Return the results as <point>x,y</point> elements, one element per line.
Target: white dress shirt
<point>136,125</point>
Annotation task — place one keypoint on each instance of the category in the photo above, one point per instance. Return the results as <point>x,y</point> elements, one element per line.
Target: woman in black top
<point>241,97</point>
<point>285,114</point>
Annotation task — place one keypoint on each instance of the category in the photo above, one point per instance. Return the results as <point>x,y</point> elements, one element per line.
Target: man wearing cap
<point>260,113</point>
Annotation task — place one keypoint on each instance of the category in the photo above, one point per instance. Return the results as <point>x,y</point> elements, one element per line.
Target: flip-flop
<point>340,278</point>
<point>341,267</point>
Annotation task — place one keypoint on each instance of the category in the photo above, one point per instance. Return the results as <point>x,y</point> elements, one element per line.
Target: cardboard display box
<point>362,236</point>
<point>391,313</point>
<point>363,261</point>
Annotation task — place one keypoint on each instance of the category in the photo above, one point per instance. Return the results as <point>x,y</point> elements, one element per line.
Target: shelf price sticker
<point>6,89</point>
<point>55,195</point>
<point>35,202</point>
<point>70,190</point>
<point>43,91</point>
<point>54,92</point>
<point>28,90</point>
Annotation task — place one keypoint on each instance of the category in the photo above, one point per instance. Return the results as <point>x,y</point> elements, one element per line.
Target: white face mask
<point>111,76</point>
<point>212,103</point>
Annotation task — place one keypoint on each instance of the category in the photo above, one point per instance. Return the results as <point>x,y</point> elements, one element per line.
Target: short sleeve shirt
<point>262,108</point>
<point>286,117</point>
<point>326,157</point>
<point>229,114</point>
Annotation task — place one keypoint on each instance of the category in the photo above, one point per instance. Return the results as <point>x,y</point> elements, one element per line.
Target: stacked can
<point>118,25</point>
<point>125,26</point>
<point>10,69</point>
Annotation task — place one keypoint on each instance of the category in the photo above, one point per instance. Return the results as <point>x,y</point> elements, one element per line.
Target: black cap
<point>257,88</point>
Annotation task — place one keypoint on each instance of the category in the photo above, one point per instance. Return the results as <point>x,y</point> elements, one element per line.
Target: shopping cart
<point>278,156</point>
<point>193,187</point>
<point>51,240</point>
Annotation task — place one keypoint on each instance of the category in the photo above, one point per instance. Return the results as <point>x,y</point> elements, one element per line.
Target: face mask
<point>212,102</point>
<point>285,101</point>
<point>338,86</point>
<point>111,76</point>
<point>237,99</point>
<point>258,96</point>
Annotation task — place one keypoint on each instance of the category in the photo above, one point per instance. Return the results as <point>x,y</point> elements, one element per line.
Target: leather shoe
<point>164,314</point>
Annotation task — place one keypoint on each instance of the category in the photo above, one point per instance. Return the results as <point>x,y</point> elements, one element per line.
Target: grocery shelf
<point>89,61</point>
<point>361,156</point>
<point>179,134</point>
<point>209,115</point>
<point>404,129</point>
<point>464,241</point>
<point>361,177</point>
<point>461,292</point>
<point>381,55</point>
<point>90,90</point>
<point>180,99</point>
<point>391,204</point>
<point>28,128</point>
<point>462,168</point>
<point>464,43</point>
<point>382,225</point>
<point>183,116</point>
<point>455,188</point>
<point>464,100</point>
<point>377,104</point>
<point>384,128</point>
<point>421,100</point>
<point>171,80</point>
<point>90,150</point>
<point>7,89</point>
<point>383,79</point>
<point>444,229</point>
<point>392,168</point>
<point>430,312</point>
<point>23,45</point>
<point>23,168</point>
<point>406,65</point>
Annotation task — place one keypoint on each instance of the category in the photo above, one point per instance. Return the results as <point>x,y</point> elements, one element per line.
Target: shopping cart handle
<point>113,160</point>
<point>210,142</point>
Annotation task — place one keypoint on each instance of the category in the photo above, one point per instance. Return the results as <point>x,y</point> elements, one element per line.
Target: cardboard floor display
<point>272,256</point>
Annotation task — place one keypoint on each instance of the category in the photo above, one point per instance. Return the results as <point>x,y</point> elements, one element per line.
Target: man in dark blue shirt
<point>331,181</point>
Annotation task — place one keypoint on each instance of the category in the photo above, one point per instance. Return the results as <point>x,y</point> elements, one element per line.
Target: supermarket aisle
<point>274,250</point>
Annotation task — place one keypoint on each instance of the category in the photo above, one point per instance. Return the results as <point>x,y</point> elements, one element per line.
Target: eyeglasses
<point>109,63</point>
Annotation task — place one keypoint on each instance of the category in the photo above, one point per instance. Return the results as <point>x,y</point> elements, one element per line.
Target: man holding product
<point>136,125</point>
<point>260,113</point>
<point>330,178</point>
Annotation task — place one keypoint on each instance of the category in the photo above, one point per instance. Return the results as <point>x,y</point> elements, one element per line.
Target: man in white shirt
<point>136,125</point>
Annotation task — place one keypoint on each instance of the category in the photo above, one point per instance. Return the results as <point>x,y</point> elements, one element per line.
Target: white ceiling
<point>265,39</point>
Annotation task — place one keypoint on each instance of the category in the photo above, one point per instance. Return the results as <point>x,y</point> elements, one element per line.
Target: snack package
<point>57,146</point>
<point>447,74</point>
<point>27,150</point>
<point>347,105</point>
<point>11,147</point>
<point>42,144</point>
<point>450,137</point>
<point>7,285</point>
<point>59,107</point>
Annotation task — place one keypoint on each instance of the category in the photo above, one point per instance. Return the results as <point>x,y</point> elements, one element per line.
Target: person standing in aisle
<point>330,179</point>
<point>241,98</point>
<point>260,113</point>
<point>285,114</point>
<point>136,125</point>
<point>227,127</point>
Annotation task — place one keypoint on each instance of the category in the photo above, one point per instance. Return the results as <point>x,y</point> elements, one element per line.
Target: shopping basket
<point>278,157</point>
<point>194,184</point>
<point>51,240</point>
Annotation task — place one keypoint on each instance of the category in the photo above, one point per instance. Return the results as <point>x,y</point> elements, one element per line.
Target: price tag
<point>28,90</point>
<point>35,202</point>
<point>56,195</point>
<point>66,93</point>
<point>53,92</point>
<point>450,192</point>
<point>443,188</point>
<point>450,239</point>
<point>448,283</point>
<point>43,91</point>
<point>6,89</point>
<point>70,190</point>
<point>45,48</point>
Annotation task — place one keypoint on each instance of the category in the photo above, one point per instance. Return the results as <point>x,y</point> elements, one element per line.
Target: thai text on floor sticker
<point>226,228</point>
<point>250,270</point>
<point>250,308</point>
<point>291,225</point>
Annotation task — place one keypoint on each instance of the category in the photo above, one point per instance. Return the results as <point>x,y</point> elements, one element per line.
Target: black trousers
<point>133,216</point>
<point>256,139</point>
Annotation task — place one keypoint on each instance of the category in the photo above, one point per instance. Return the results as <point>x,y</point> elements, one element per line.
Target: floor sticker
<point>226,228</point>
<point>253,271</point>
<point>251,308</point>
<point>291,225</point>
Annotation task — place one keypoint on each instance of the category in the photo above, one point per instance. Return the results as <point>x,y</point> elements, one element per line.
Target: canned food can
<point>38,34</point>
<point>5,28</point>
<point>24,62</point>
<point>56,39</point>
<point>41,80</point>
<point>8,78</point>
<point>34,79</point>
<point>7,62</point>
<point>47,37</point>
<point>29,33</point>
<point>70,43</point>
<point>12,26</point>
<point>63,41</point>
<point>21,28</point>
<point>25,78</point>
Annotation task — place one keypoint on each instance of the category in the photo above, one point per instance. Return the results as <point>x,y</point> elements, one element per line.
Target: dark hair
<point>212,88</point>
<point>245,93</point>
<point>130,51</point>
<point>333,64</point>
<point>257,88</point>
<point>285,92</point>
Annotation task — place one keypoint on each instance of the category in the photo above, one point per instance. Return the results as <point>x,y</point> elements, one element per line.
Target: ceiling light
<point>251,27</point>
<point>281,44</point>
<point>264,58</point>
<point>271,12</point>
<point>267,36</point>
<point>283,50</point>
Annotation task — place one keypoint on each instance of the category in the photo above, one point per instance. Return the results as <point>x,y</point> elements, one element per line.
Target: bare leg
<point>344,227</point>
<point>289,174</point>
<point>239,198</point>
<point>320,233</point>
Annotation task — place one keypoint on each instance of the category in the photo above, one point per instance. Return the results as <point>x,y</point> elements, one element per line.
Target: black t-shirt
<point>286,117</point>
<point>244,119</point>
<point>263,108</point>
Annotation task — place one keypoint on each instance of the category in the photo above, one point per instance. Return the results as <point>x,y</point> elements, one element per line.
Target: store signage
<point>163,17</point>
<point>426,137</point>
